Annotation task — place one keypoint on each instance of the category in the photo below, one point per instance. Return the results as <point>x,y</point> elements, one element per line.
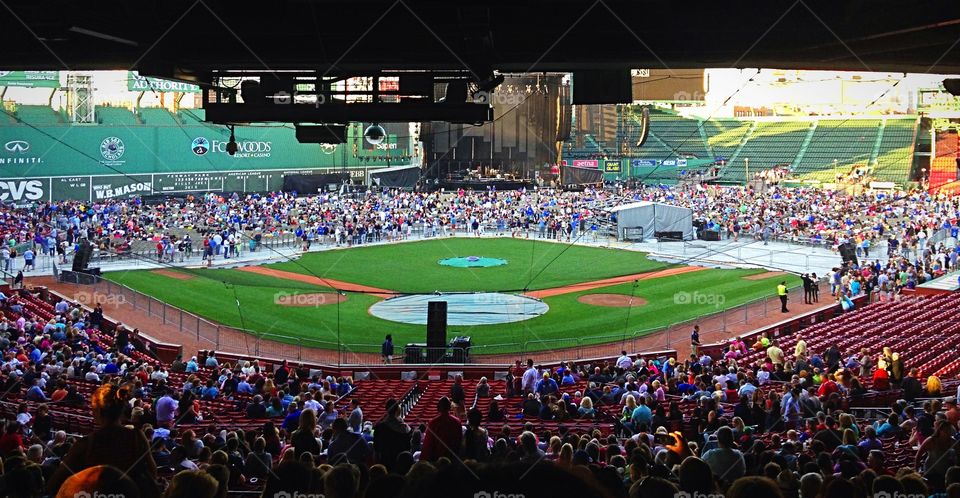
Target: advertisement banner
<point>612,167</point>
<point>24,190</point>
<point>644,163</point>
<point>121,186</point>
<point>44,79</point>
<point>25,152</point>
<point>137,83</point>
<point>585,163</point>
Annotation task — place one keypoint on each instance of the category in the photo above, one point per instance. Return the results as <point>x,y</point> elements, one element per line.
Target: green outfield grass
<point>413,268</point>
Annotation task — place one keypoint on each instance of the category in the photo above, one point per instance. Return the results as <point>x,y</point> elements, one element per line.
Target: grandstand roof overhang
<point>187,37</point>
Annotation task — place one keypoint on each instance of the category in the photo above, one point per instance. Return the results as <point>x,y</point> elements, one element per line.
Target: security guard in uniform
<point>782,293</point>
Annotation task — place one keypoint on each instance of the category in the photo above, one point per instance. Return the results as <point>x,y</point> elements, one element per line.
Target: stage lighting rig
<point>310,97</point>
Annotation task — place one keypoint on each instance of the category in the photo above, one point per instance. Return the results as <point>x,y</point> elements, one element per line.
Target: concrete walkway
<point>745,253</point>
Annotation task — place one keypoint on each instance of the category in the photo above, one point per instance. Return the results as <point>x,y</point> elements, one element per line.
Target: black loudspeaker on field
<point>82,258</point>
<point>848,253</point>
<point>436,324</point>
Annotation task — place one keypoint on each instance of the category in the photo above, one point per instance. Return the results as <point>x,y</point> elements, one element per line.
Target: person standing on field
<point>782,294</point>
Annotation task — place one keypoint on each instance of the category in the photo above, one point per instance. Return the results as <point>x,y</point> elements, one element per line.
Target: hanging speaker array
<point>644,126</point>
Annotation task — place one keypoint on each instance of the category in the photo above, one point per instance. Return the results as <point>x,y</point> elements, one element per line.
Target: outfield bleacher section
<point>38,115</point>
<point>772,143</point>
<point>815,149</point>
<point>157,116</point>
<point>680,135</point>
<point>192,116</point>
<point>110,115</point>
<point>724,136</point>
<point>895,155</point>
<point>838,145</point>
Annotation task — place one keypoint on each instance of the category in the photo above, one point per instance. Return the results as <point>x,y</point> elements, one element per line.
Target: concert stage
<point>481,184</point>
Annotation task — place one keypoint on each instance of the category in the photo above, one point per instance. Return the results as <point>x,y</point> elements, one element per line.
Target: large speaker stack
<point>436,324</point>
<point>436,331</point>
<point>82,258</point>
<point>436,349</point>
<point>848,253</point>
<point>81,273</point>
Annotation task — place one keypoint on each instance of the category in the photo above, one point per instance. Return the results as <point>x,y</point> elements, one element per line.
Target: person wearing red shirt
<point>443,434</point>
<point>881,380</point>
<point>142,375</point>
<point>11,439</point>
<point>827,387</point>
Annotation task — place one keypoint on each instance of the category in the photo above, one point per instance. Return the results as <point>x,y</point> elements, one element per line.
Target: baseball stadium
<point>605,257</point>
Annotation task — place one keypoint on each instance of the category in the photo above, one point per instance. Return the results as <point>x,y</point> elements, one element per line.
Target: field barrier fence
<point>210,335</point>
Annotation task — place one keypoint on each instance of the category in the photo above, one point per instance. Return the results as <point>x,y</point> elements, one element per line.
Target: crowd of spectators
<point>897,224</point>
<point>780,425</point>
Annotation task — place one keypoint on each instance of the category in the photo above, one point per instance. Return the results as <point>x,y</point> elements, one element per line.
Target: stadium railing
<point>211,335</point>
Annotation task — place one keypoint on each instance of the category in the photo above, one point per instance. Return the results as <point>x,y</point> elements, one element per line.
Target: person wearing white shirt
<point>763,377</point>
<point>529,377</point>
<point>24,418</point>
<point>92,375</point>
<point>746,390</point>
<point>311,404</point>
<point>247,369</point>
<point>624,362</point>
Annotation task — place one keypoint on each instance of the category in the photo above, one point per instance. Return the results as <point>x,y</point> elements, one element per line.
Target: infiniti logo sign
<point>17,154</point>
<point>19,146</point>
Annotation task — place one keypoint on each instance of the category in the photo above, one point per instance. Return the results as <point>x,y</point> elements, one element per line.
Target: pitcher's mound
<point>612,300</point>
<point>179,275</point>
<point>315,299</point>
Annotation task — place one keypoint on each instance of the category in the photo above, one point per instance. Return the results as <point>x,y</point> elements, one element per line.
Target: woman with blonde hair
<point>269,389</point>
<point>303,439</point>
<point>586,409</point>
<point>657,391</point>
<point>555,444</point>
<point>848,422</point>
<point>848,445</point>
<point>933,385</point>
<point>629,405</point>
<point>565,459</point>
<point>738,427</point>
<point>483,388</point>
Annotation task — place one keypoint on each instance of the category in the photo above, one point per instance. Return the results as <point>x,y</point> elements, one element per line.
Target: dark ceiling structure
<point>188,38</point>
